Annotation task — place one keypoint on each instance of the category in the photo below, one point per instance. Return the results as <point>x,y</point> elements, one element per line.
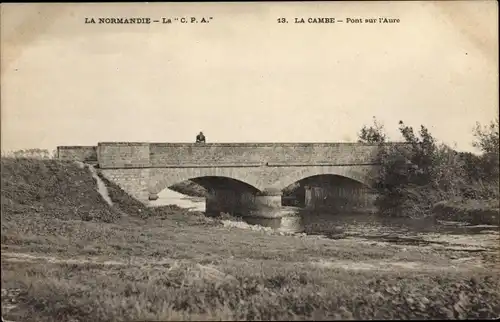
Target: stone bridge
<point>253,174</point>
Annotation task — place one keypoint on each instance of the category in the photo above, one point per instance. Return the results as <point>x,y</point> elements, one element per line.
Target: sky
<point>244,77</point>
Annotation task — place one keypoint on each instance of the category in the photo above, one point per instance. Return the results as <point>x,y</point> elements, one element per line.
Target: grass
<point>71,257</point>
<point>104,293</point>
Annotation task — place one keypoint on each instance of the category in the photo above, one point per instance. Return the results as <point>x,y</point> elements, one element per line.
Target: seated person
<point>200,138</point>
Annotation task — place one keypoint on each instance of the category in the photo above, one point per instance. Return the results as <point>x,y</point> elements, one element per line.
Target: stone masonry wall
<point>133,181</point>
<point>123,155</point>
<point>157,155</point>
<point>171,154</point>
<point>143,155</point>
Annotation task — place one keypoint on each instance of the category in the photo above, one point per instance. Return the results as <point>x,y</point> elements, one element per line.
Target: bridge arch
<point>361,174</point>
<point>161,179</point>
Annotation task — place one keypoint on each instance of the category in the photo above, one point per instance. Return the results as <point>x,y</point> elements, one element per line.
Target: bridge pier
<point>266,204</point>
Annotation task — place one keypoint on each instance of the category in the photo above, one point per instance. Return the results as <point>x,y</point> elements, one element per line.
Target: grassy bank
<point>472,211</point>
<point>67,255</point>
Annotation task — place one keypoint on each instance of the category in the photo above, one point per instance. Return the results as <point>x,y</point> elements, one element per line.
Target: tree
<point>32,153</point>
<point>487,167</point>
<point>372,134</point>
<point>414,175</point>
<point>487,137</point>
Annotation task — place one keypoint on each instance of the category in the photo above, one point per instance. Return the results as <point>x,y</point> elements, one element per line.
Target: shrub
<point>414,176</point>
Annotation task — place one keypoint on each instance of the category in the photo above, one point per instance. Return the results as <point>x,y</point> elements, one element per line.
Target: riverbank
<point>476,212</point>
<point>69,255</point>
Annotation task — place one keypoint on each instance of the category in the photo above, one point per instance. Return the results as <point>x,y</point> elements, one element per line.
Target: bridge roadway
<point>250,175</point>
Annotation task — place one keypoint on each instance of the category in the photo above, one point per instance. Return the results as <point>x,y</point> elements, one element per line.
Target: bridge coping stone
<point>250,144</point>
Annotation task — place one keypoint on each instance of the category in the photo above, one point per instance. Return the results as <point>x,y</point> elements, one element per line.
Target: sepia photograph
<point>250,161</point>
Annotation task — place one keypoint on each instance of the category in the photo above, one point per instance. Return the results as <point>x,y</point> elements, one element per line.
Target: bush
<point>416,175</point>
<point>30,153</point>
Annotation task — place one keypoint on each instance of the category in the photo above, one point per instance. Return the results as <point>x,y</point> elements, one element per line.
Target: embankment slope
<point>51,188</point>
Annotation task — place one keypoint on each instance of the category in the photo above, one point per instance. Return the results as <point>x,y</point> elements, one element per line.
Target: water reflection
<point>170,197</point>
<point>292,224</point>
<point>335,225</point>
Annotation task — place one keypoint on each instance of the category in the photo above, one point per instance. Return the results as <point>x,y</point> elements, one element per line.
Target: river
<point>360,226</point>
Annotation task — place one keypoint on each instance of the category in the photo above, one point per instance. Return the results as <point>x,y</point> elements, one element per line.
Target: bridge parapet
<point>157,155</point>
<point>164,154</point>
<point>123,155</point>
